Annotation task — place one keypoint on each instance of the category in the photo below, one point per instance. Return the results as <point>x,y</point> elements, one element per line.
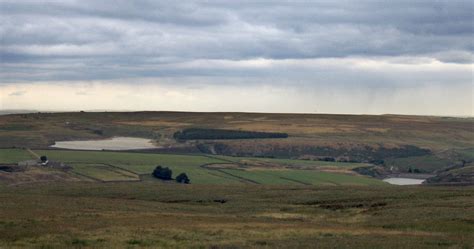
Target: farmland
<point>122,166</point>
<point>13,155</point>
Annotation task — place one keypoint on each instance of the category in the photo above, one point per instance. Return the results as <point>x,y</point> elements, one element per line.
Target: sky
<point>355,57</point>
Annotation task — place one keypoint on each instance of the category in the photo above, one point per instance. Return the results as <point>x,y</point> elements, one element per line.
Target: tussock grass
<point>153,214</point>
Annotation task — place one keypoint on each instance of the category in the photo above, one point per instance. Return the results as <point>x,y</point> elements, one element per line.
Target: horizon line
<point>27,111</point>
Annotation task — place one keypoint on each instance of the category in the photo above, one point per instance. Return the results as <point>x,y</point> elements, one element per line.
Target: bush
<point>163,173</point>
<point>182,178</point>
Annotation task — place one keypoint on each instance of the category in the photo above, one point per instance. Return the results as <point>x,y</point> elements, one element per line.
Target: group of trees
<point>414,170</point>
<point>198,133</point>
<point>164,173</point>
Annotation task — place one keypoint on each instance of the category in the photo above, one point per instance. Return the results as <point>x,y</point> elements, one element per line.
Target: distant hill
<point>399,143</point>
<point>6,112</point>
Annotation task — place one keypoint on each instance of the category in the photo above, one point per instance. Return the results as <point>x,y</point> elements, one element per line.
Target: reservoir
<point>115,143</point>
<point>403,181</point>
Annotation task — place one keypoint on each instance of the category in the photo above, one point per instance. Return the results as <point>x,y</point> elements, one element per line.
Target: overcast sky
<point>409,57</point>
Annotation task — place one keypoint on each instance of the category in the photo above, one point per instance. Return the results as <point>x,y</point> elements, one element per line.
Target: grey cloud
<point>86,40</point>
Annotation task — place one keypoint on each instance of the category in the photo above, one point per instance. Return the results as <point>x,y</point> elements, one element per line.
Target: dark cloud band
<point>85,40</point>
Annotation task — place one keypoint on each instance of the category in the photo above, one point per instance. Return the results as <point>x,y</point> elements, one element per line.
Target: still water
<point>115,143</point>
<point>403,181</point>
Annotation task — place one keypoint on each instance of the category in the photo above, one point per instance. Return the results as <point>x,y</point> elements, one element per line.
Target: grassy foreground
<point>156,214</point>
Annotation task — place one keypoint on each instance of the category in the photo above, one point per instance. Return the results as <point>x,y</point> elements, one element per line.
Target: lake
<point>403,181</point>
<point>115,143</point>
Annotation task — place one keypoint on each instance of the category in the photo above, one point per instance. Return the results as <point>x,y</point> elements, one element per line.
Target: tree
<point>163,173</point>
<point>183,178</point>
<point>43,159</point>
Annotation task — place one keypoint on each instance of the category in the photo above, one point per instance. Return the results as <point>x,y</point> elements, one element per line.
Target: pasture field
<point>144,163</point>
<point>123,166</point>
<point>138,162</point>
<point>307,177</point>
<point>14,155</point>
<point>192,165</point>
<point>103,172</point>
<point>293,163</point>
<point>153,214</point>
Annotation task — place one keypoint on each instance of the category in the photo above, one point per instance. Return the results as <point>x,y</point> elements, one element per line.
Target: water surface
<point>115,143</point>
<point>403,181</point>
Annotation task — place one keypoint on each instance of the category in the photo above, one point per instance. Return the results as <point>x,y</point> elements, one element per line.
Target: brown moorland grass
<point>436,133</point>
<point>154,214</point>
<point>310,135</point>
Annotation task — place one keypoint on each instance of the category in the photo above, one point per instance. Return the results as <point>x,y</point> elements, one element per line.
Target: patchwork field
<point>104,166</point>
<point>291,163</point>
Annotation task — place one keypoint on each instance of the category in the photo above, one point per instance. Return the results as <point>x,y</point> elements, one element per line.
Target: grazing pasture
<point>273,171</point>
<point>14,155</point>
<point>104,172</point>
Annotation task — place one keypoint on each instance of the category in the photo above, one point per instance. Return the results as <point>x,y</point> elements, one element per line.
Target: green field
<point>14,155</point>
<point>104,173</point>
<point>308,177</point>
<point>291,162</point>
<point>325,178</point>
<point>144,163</point>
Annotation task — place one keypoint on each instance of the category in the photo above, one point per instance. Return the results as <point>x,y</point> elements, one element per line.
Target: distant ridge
<point>20,111</point>
<point>6,112</point>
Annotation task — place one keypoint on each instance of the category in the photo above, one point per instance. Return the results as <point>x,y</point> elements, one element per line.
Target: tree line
<point>199,133</point>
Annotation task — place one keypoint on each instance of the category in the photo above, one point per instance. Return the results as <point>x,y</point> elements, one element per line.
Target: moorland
<point>256,180</point>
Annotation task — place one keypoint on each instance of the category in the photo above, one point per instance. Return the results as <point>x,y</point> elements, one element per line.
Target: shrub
<point>182,178</point>
<point>163,173</point>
